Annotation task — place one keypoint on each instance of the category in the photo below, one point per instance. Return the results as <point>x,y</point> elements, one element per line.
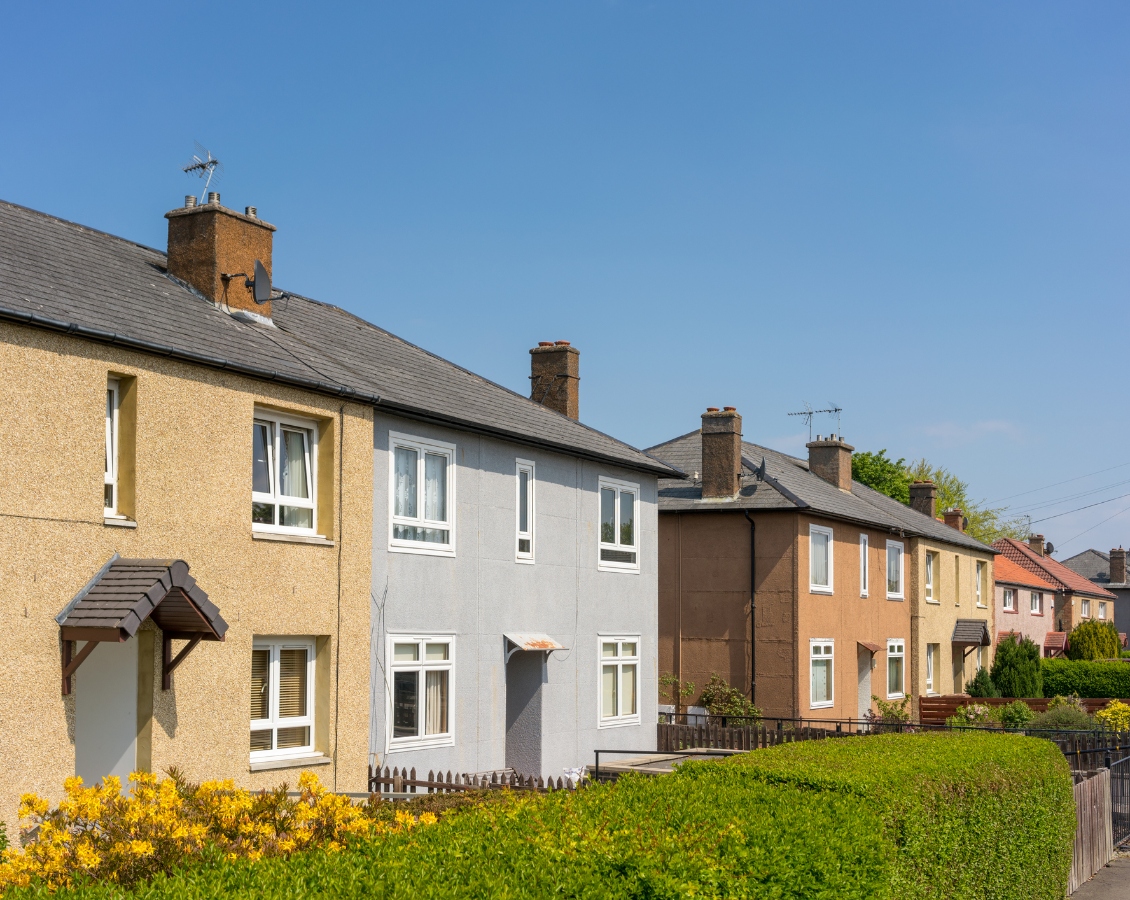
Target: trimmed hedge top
<point>1086,678</point>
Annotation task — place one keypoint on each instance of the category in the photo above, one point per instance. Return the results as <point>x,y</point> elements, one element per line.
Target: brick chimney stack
<point>209,241</point>
<point>1036,543</point>
<point>1118,566</point>
<point>555,375</point>
<point>955,518</point>
<point>721,452</point>
<point>831,460</point>
<point>924,498</point>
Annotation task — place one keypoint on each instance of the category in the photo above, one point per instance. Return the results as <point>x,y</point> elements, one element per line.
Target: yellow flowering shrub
<point>103,834</point>
<point>1115,716</point>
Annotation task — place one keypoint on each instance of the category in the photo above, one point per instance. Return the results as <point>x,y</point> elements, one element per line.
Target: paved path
<point>1110,883</point>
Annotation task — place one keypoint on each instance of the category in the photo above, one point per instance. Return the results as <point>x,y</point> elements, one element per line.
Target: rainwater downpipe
<point>752,610</point>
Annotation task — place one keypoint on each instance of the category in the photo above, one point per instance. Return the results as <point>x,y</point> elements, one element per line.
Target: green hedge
<point>890,816</point>
<point>1087,678</point>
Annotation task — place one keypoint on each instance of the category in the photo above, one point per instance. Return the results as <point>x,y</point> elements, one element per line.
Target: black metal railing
<point>1119,800</point>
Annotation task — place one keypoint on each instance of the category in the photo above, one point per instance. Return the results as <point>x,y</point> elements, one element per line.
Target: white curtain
<point>818,547</point>
<point>435,717</point>
<point>405,482</point>
<point>894,569</point>
<point>435,487</point>
<point>292,465</point>
<point>608,692</point>
<point>821,668</point>
<point>629,688</point>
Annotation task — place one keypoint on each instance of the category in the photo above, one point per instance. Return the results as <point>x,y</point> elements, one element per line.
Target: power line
<point>1096,525</point>
<point>1080,509</point>
<point>1058,483</point>
<point>1041,504</point>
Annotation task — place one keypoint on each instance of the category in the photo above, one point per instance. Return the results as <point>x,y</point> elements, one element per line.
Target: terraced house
<point>247,533</point>
<point>807,590</point>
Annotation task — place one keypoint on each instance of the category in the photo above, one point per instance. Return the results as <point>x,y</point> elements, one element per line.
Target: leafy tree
<point>981,685</point>
<point>722,700</point>
<point>1016,668</point>
<point>885,475</point>
<point>986,523</point>
<point>1094,640</point>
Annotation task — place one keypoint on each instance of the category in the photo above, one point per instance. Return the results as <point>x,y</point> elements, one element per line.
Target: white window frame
<point>930,668</point>
<point>931,575</point>
<point>1036,603</point>
<point>896,649</point>
<point>617,720</point>
<point>274,722</point>
<point>420,666</point>
<point>979,573</point>
<point>1086,610</point>
<point>422,446</point>
<point>829,644</point>
<point>113,448</point>
<point>1102,610</point>
<point>830,586</point>
<point>278,422</point>
<point>900,593</point>
<point>527,466</point>
<point>1009,600</point>
<point>609,565</point>
<point>863,565</point>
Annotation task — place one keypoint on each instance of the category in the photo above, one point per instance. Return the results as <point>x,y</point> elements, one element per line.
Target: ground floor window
<point>932,652</point>
<point>820,665</point>
<point>421,669</point>
<point>619,680</point>
<point>896,656</point>
<point>282,698</point>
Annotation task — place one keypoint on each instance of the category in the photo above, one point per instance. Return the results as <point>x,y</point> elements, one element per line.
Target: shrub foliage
<point>1016,668</point>
<point>981,685</point>
<point>1115,716</point>
<point>1086,678</point>
<point>1064,712</point>
<point>1094,640</point>
<point>720,699</point>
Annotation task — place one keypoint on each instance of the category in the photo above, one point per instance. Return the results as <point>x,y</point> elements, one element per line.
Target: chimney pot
<point>1036,542</point>
<point>721,452</point>
<point>189,201</point>
<point>954,518</point>
<point>1118,566</point>
<point>730,408</point>
<point>924,498</point>
<point>214,197</point>
<point>831,460</point>
<point>250,212</point>
<point>555,377</point>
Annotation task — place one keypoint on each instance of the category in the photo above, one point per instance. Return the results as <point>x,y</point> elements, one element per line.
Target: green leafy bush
<point>1115,716</point>
<point>722,700</point>
<point>979,714</point>
<point>1016,714</point>
<point>1086,678</point>
<point>1066,713</point>
<point>1094,640</point>
<point>889,816</point>
<point>1016,668</point>
<point>981,685</point>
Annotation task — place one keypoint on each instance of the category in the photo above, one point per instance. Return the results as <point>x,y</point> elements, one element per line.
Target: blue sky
<point>917,211</point>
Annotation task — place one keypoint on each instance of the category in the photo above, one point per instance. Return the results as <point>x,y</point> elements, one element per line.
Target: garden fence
<point>1120,800</point>
<point>1094,845</point>
<point>402,783</point>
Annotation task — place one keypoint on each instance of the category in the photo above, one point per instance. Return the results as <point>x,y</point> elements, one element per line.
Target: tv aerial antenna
<point>808,412</point>
<point>204,165</point>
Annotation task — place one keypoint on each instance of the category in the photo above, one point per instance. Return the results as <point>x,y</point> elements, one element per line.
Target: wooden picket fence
<point>1094,844</point>
<point>935,710</point>
<point>404,781</point>
<point>672,738</point>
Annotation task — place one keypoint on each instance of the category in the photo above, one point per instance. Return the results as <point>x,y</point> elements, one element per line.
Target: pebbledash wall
<point>549,703</point>
<point>192,502</point>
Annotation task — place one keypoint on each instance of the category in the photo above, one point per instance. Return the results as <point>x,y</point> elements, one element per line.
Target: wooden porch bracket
<point>168,666</point>
<point>69,664</point>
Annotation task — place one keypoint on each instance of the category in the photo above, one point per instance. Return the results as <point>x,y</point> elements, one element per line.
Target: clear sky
<point>917,211</point>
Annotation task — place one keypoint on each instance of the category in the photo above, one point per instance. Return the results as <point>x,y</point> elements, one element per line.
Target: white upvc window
<point>894,570</point>
<point>930,568</point>
<point>421,489</point>
<point>980,583</point>
<point>931,655</point>
<point>284,468</point>
<point>282,698</point>
<point>822,681</point>
<point>524,488</point>
<point>619,526</point>
<point>896,657</point>
<point>1102,610</point>
<point>619,680</point>
<point>110,491</point>
<point>820,560</point>
<point>863,566</point>
<point>1087,608</point>
<point>1036,601</point>
<point>421,670</point>
<point>1009,599</point>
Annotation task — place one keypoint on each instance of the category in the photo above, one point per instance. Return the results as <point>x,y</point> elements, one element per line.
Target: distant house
<point>1025,605</point>
<point>1076,599</point>
<point>808,591</point>
<point>1107,570</point>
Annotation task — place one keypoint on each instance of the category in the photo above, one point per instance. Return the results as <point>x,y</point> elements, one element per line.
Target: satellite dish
<point>1049,547</point>
<point>761,470</point>
<point>262,283</point>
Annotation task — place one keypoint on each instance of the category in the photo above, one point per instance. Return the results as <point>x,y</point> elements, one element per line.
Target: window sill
<point>863,596</point>
<point>898,597</point>
<point>422,744</point>
<point>292,762</point>
<point>115,522</point>
<point>934,602</point>
<point>623,570</point>
<point>827,705</point>
<point>818,589</point>
<point>422,549</point>
<point>315,539</point>
<point>1010,612</point>
<point>896,696</point>
<point>618,723</point>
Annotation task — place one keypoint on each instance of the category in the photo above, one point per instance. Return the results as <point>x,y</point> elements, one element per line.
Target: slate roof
<point>60,275</point>
<point>1052,570</point>
<point>1005,571</point>
<point>789,485</point>
<point>126,592</point>
<point>1094,565</point>
<point>971,631</point>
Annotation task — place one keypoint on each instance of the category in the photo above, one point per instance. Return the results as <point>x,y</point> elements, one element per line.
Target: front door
<point>106,713</point>
<point>525,675</point>
<point>864,682</point>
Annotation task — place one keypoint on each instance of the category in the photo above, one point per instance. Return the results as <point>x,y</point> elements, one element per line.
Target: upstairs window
<point>283,464</point>
<point>619,680</point>
<point>863,565</point>
<point>1087,608</point>
<point>1010,600</point>
<point>980,583</point>
<point>422,670</point>
<point>619,514</point>
<point>894,570</point>
<point>282,698</point>
<point>525,524</point>
<point>820,562</point>
<point>931,566</point>
<point>896,656</point>
<point>422,495</point>
<point>1102,610</point>
<point>1037,603</point>
<point>110,491</point>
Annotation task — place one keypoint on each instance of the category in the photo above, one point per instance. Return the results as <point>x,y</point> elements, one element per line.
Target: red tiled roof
<point>1046,567</point>
<point>1007,572</point>
<point>1055,640</point>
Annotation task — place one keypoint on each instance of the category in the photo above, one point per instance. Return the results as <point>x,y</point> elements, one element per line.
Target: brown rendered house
<point>803,588</point>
